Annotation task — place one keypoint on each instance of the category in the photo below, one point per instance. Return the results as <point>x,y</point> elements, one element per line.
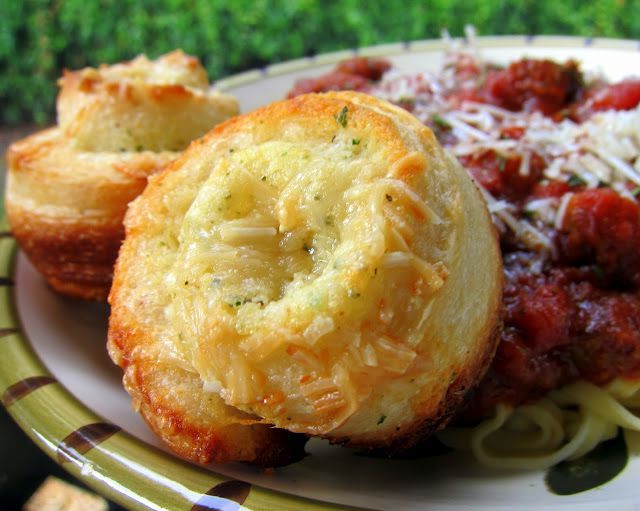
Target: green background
<point>39,38</point>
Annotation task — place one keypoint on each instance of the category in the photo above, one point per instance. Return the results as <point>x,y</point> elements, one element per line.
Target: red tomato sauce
<point>577,318</point>
<point>354,74</point>
<point>623,95</point>
<point>533,85</point>
<point>500,175</point>
<point>558,326</point>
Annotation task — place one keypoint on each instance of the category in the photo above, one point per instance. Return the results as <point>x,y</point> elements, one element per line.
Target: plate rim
<point>423,45</point>
<point>91,448</point>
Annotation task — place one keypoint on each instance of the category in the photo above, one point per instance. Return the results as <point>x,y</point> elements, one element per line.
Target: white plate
<point>69,337</point>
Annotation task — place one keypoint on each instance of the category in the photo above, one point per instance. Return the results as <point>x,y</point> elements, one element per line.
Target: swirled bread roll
<point>68,186</point>
<point>155,105</point>
<point>321,265</point>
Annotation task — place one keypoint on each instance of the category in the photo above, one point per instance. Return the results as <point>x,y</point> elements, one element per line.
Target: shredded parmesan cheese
<point>396,259</point>
<point>602,151</point>
<point>235,234</point>
<point>320,326</point>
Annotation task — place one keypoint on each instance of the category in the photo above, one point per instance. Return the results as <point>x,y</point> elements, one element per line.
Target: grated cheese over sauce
<point>602,151</point>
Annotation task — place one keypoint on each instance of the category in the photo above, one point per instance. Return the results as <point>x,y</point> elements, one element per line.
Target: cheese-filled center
<point>305,273</point>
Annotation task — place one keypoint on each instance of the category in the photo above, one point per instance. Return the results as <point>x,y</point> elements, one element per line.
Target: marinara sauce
<point>354,74</point>
<point>576,314</point>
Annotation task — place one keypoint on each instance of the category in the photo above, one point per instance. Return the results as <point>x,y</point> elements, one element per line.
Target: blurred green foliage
<point>38,38</point>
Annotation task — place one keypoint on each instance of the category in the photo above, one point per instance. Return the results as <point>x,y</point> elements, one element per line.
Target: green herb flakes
<point>440,121</point>
<point>576,180</point>
<point>341,118</point>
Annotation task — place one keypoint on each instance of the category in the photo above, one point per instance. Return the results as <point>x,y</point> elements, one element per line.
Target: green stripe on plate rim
<point>121,467</point>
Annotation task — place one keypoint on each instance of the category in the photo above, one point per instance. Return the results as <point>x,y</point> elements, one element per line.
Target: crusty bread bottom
<point>195,424</point>
<point>76,259</point>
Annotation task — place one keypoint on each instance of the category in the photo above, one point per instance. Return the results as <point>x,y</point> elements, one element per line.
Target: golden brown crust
<point>68,187</point>
<point>158,105</point>
<point>321,265</point>
<point>75,259</point>
<point>451,311</point>
<point>56,494</point>
<point>66,210</point>
<point>199,439</point>
<point>457,394</point>
<point>195,424</point>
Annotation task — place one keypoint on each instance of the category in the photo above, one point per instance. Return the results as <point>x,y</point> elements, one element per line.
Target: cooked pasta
<point>565,425</point>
